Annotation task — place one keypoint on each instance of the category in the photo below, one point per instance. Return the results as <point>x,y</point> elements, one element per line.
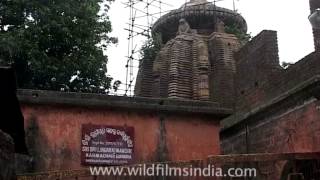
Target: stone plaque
<point>106,145</point>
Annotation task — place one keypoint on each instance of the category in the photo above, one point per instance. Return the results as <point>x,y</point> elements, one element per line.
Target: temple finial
<point>193,2</point>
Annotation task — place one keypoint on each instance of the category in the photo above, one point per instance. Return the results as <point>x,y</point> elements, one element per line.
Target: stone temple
<point>196,61</point>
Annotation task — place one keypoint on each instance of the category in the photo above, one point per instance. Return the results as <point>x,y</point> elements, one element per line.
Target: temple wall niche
<point>222,48</point>
<point>201,70</point>
<point>143,86</point>
<point>180,69</point>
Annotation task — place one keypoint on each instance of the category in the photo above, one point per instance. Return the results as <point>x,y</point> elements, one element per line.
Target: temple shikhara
<point>196,61</point>
<point>210,96</point>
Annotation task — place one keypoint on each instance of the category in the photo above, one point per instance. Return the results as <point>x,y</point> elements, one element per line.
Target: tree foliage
<point>57,44</point>
<point>151,48</point>
<point>234,29</point>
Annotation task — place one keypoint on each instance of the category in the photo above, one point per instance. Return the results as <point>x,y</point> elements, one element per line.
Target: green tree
<point>242,36</point>
<point>57,44</point>
<point>150,48</point>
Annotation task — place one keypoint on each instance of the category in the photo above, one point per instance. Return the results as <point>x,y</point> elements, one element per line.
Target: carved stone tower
<point>196,61</point>
<point>315,4</point>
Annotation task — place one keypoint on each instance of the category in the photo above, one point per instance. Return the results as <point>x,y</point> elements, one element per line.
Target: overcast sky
<point>288,17</point>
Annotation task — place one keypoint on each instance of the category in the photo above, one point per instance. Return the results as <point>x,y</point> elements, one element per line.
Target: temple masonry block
<point>223,46</point>
<point>196,61</point>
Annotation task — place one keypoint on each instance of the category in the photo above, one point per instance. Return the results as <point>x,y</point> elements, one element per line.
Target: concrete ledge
<point>267,157</point>
<point>307,89</point>
<point>131,103</point>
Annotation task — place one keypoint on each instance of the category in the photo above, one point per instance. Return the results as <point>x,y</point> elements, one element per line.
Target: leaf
<point>53,39</point>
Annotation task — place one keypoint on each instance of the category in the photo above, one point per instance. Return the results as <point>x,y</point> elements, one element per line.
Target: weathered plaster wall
<point>293,129</point>
<point>56,131</point>
<point>191,140</point>
<point>53,132</point>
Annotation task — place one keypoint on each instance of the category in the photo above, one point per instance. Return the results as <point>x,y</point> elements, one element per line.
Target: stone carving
<point>220,26</point>
<point>203,69</point>
<point>184,27</point>
<point>201,16</point>
<point>182,67</point>
<point>196,61</point>
<point>195,2</point>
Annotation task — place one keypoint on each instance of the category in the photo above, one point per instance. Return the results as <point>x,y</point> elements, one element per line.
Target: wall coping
<point>307,89</point>
<point>40,97</point>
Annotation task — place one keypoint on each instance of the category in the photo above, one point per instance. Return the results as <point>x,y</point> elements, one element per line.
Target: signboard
<point>106,145</point>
